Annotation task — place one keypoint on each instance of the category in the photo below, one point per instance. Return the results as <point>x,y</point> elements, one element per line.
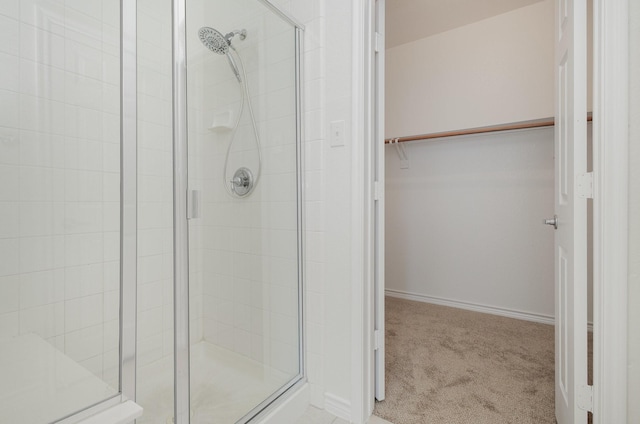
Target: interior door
<point>379,205</point>
<point>571,211</point>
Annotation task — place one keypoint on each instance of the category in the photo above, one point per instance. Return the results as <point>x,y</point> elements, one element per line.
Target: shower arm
<point>242,33</point>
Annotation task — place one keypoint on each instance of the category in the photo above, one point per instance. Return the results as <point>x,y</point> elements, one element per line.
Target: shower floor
<point>225,386</point>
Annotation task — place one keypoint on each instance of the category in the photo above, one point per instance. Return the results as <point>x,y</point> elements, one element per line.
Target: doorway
<point>450,197</point>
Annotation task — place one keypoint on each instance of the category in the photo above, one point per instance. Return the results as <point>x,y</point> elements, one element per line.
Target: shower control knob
<point>242,182</point>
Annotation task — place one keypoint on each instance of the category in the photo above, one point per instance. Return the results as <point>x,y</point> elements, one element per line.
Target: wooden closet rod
<point>538,123</point>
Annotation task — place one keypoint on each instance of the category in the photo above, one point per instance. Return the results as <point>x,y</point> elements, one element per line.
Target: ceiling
<point>410,20</point>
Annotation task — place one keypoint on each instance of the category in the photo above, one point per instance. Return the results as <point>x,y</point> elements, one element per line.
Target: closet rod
<point>538,123</point>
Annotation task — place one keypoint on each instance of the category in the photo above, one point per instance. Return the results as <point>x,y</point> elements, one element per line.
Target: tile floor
<point>319,416</point>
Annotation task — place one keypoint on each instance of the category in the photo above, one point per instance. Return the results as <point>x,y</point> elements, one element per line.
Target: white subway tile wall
<point>59,177</point>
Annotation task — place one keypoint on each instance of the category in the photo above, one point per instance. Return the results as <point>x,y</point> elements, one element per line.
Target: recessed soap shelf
<point>222,121</point>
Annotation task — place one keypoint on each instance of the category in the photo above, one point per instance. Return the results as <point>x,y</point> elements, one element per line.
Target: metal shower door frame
<point>181,228</point>
<point>182,403</point>
<point>128,218</point>
<point>128,198</point>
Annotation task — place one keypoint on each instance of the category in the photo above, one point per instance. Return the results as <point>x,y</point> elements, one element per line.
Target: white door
<point>378,79</point>
<point>571,212</point>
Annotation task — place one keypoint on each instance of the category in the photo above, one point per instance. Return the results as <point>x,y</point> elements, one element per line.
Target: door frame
<point>378,176</point>
<point>611,209</point>
<point>362,212</point>
<point>611,178</point>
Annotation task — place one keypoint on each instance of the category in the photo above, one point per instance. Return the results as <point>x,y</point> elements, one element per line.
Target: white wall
<point>463,223</point>
<point>473,76</point>
<point>495,71</point>
<point>634,215</point>
<point>336,179</point>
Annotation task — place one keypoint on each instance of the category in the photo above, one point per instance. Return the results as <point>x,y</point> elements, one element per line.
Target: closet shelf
<point>538,123</point>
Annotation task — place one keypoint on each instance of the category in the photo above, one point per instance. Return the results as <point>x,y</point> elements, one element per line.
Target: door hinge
<point>377,42</point>
<point>377,340</point>
<point>584,185</point>
<point>376,191</point>
<point>585,398</point>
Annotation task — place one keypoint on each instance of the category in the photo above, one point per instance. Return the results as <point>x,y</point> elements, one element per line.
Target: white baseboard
<point>337,406</point>
<point>509,313</point>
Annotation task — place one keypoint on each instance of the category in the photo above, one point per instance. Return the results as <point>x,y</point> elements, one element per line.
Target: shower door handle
<point>193,204</point>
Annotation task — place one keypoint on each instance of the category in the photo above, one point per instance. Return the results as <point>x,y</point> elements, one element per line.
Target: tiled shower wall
<point>59,177</point>
<point>312,13</point>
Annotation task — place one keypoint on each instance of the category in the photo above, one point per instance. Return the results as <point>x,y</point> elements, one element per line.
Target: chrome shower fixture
<point>243,181</point>
<point>242,33</point>
<point>220,44</point>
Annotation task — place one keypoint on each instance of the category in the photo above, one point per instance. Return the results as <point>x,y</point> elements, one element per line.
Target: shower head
<point>214,40</point>
<point>220,44</point>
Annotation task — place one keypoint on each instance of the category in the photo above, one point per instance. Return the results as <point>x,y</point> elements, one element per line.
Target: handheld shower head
<point>220,44</point>
<point>214,40</point>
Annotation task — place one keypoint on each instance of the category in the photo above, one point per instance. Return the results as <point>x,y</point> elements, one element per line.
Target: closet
<point>469,162</point>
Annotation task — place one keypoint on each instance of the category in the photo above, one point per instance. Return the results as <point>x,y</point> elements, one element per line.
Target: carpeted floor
<point>451,366</point>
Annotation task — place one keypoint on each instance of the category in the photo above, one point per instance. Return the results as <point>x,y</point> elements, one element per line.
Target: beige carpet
<point>451,366</point>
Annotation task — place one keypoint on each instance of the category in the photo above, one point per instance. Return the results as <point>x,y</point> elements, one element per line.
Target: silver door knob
<point>553,221</point>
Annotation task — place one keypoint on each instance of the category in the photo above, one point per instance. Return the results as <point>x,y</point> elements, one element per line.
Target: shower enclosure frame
<point>129,223</point>
<point>129,198</point>
<point>182,401</point>
<point>128,219</point>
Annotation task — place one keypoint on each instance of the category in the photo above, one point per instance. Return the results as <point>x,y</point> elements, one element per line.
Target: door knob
<point>553,221</point>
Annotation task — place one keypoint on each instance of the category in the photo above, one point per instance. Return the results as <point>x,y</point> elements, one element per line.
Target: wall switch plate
<point>336,133</point>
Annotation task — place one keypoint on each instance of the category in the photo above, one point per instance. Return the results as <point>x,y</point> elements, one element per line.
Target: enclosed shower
<point>151,210</point>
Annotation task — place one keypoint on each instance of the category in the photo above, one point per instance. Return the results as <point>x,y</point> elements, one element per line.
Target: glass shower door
<point>244,227</point>
<point>60,208</point>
